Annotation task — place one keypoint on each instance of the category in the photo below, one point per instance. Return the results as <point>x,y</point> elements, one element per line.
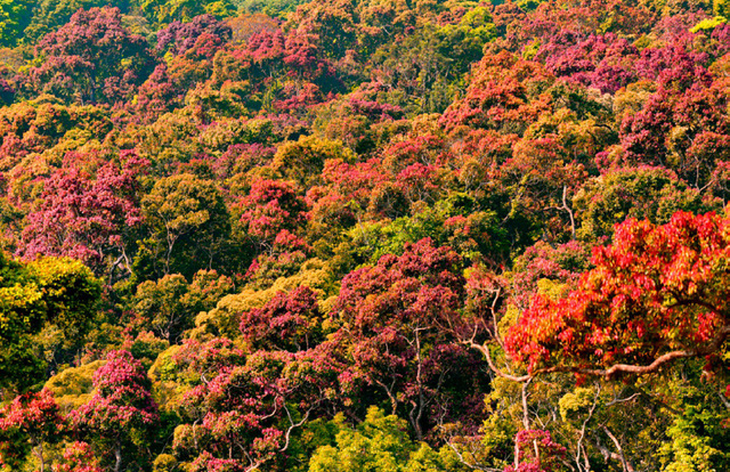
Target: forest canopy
<point>364,235</point>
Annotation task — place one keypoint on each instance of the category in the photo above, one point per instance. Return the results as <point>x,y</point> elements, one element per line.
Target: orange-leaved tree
<point>656,294</point>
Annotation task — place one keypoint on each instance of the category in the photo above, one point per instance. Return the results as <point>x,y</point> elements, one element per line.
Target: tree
<point>14,17</point>
<point>656,294</point>
<point>652,193</point>
<point>89,217</point>
<point>653,302</point>
<point>272,206</point>
<point>536,452</point>
<point>166,12</point>
<point>169,305</point>
<point>602,61</point>
<point>68,291</point>
<point>244,410</point>
<point>47,292</point>
<point>505,93</point>
<point>38,126</point>
<point>363,121</point>
<point>330,24</point>
<point>121,413</point>
<point>698,433</point>
<point>178,38</point>
<point>49,15</point>
<point>379,443</point>
<point>303,160</point>
<point>28,424</point>
<point>538,180</point>
<point>157,95</point>
<point>188,221</point>
<point>78,457</point>
<point>91,59</point>
<point>393,316</point>
<point>343,199</point>
<point>290,322</point>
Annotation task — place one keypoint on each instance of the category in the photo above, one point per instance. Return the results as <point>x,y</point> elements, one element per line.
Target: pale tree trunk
<point>118,457</point>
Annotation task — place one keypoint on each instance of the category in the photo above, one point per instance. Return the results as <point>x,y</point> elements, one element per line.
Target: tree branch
<point>627,467</point>
<point>583,431</point>
<point>292,426</point>
<point>484,349</point>
<point>616,401</point>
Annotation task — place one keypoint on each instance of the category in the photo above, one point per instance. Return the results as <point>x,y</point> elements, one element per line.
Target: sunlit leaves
<point>188,219</point>
<point>26,424</point>
<point>122,412</point>
<point>657,290</point>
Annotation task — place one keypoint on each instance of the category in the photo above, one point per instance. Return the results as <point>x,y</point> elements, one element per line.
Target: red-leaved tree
<point>393,316</point>
<point>121,413</point>
<point>27,424</point>
<point>656,294</point>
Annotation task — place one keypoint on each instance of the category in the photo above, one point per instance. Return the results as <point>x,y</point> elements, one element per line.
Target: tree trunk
<point>118,457</point>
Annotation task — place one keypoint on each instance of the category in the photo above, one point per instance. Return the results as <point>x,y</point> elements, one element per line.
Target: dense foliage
<point>364,235</point>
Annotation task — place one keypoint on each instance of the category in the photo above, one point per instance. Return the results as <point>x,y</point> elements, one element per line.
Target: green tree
<point>188,224</point>
<point>170,304</point>
<point>14,17</point>
<point>380,443</point>
<point>49,291</point>
<point>163,12</point>
<point>49,15</point>
<point>304,159</point>
<point>653,193</point>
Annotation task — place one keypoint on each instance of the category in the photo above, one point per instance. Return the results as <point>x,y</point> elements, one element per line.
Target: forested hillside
<point>364,235</point>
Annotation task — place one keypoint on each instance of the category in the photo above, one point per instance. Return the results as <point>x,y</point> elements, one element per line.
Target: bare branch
<point>292,426</point>
<point>626,464</point>
<point>525,411</point>
<point>570,212</point>
<point>484,349</point>
<point>616,401</point>
<point>583,431</point>
<point>493,309</point>
<point>463,461</point>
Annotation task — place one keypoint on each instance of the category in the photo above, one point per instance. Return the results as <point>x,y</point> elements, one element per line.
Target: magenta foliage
<point>180,37</point>
<point>92,58</point>
<point>288,322</point>
<point>721,36</point>
<point>247,407</point>
<point>548,454</point>
<point>86,216</point>
<point>35,414</point>
<point>375,110</point>
<point>304,58</point>
<point>601,61</point>
<point>272,206</point>
<point>28,421</point>
<point>673,66</point>
<point>266,45</point>
<point>78,457</point>
<point>563,263</point>
<point>642,134</point>
<point>701,112</point>
<point>122,402</point>
<point>242,158</point>
<point>158,94</point>
<point>396,318</point>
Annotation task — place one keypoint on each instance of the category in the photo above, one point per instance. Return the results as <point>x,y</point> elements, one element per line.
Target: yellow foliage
<point>73,387</point>
<point>224,318</point>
